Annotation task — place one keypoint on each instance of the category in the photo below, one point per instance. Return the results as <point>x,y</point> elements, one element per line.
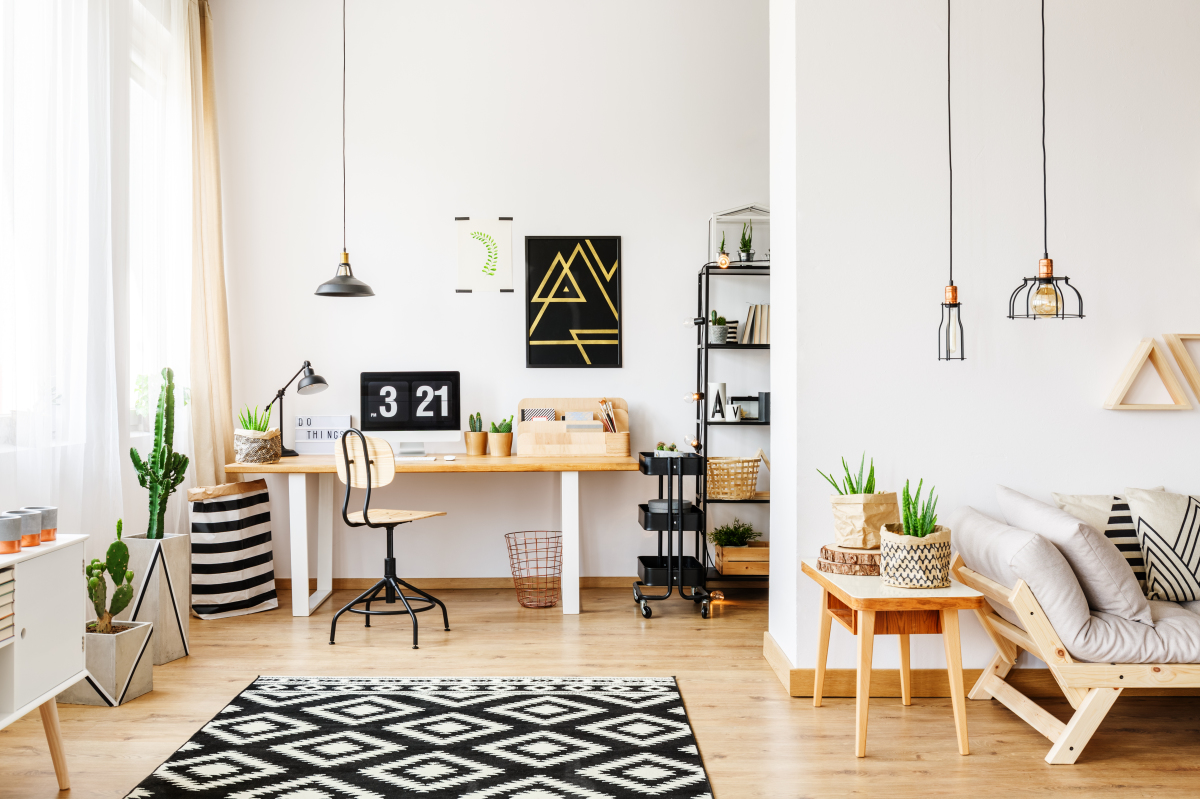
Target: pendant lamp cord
<point>1045,212</point>
<point>343,125</point>
<point>950,142</point>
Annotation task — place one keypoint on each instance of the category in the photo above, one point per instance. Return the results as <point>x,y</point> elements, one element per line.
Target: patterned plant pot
<point>254,446</point>
<point>162,594</point>
<point>118,666</point>
<point>718,334</point>
<point>910,562</point>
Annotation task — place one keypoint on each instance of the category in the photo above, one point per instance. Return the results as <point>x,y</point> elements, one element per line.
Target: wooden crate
<point>548,439</point>
<point>753,559</point>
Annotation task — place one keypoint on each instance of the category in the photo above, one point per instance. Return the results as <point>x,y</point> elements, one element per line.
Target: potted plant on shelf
<point>115,651</point>
<point>859,513</point>
<point>500,438</point>
<point>722,256</point>
<point>718,332</point>
<point>737,549</point>
<point>916,554</point>
<point>255,441</point>
<point>164,595</point>
<point>476,438</point>
<point>664,450</point>
<point>746,247</point>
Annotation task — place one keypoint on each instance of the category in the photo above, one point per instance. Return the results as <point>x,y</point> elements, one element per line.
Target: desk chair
<point>369,463</point>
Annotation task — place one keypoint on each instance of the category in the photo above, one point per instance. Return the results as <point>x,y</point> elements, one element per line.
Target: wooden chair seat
<point>385,516</point>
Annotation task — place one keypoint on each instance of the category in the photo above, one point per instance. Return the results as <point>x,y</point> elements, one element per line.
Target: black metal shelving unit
<point>703,348</point>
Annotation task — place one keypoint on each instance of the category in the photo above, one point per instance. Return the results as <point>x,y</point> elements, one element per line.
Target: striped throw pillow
<point>233,567</point>
<point>1109,513</point>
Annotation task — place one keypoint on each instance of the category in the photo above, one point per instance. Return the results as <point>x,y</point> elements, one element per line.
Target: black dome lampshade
<point>311,382</point>
<point>344,283</point>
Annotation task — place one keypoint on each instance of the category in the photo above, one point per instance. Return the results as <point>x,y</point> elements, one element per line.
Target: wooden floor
<point>756,741</point>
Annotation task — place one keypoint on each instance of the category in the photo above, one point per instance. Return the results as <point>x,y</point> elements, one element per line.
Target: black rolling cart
<point>674,569</point>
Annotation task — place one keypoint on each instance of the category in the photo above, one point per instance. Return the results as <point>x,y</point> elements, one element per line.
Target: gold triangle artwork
<point>1184,359</point>
<point>1148,349</point>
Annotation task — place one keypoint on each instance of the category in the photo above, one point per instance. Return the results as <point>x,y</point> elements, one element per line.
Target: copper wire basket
<point>536,560</point>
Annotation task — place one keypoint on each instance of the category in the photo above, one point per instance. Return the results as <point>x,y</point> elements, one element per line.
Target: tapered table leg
<point>866,646</point>
<point>905,672</point>
<point>823,624</point>
<point>954,672</point>
<point>58,755</point>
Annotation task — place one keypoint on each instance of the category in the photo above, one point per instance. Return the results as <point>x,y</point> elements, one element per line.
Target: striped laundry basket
<point>233,567</point>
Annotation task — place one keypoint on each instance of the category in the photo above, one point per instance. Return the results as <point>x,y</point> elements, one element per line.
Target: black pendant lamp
<point>344,283</point>
<point>950,331</point>
<point>1042,297</point>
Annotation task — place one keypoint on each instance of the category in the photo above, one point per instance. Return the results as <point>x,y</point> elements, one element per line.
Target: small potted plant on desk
<point>746,247</point>
<point>115,651</point>
<point>718,332</point>
<point>500,438</point>
<point>737,549</point>
<point>859,513</point>
<point>253,442</point>
<point>916,554</point>
<point>476,438</point>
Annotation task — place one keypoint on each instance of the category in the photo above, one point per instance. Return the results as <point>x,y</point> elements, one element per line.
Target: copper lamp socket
<point>952,295</point>
<point>1046,267</point>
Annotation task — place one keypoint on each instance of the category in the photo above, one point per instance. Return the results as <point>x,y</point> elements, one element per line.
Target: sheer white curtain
<point>95,249</point>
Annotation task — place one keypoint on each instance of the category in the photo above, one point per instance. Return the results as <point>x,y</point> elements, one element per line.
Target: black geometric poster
<point>573,301</point>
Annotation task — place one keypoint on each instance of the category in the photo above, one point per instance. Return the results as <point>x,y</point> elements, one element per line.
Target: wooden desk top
<point>322,464</point>
<point>869,593</point>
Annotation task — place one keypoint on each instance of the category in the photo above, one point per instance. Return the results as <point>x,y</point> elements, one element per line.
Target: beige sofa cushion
<point>1006,554</point>
<point>1107,581</point>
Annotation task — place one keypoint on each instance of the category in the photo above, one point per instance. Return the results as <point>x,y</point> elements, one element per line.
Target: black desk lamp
<point>311,383</point>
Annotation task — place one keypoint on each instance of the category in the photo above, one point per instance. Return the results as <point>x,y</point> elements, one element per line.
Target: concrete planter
<point>162,594</point>
<point>118,665</point>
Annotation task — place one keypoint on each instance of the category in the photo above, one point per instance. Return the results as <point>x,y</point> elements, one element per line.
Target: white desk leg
<point>298,512</point>
<point>570,542</point>
<point>324,542</point>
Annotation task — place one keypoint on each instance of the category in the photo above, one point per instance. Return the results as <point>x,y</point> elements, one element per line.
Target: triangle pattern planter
<point>118,667</point>
<point>162,575</point>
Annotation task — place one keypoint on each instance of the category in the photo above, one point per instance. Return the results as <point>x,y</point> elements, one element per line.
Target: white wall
<point>1025,409</point>
<point>617,118</point>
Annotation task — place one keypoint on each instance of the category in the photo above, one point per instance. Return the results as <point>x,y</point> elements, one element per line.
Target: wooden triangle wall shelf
<point>1148,350</point>
<point>1184,359</point>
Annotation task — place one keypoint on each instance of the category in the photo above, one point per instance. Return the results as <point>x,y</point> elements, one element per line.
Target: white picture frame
<point>484,254</point>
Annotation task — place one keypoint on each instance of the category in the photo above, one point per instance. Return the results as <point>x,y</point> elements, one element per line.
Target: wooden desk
<point>299,468</point>
<point>866,607</point>
<point>45,656</point>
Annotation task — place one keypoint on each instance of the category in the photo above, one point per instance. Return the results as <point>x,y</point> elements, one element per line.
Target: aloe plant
<point>852,484</point>
<point>919,520</point>
<point>747,237</point>
<point>115,562</point>
<point>505,426</point>
<point>253,420</point>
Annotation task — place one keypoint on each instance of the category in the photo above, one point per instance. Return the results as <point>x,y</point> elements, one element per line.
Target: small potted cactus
<point>718,331</point>
<point>116,652</point>
<point>746,247</point>
<point>664,450</point>
<point>476,438</point>
<point>500,438</point>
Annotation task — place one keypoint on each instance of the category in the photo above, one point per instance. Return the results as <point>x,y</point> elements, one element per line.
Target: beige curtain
<point>212,401</point>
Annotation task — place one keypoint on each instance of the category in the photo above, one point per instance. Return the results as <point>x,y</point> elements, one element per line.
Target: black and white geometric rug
<point>441,737</point>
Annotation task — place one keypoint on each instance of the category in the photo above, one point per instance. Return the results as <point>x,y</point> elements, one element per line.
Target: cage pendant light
<point>950,331</point>
<point>344,283</point>
<point>1042,296</point>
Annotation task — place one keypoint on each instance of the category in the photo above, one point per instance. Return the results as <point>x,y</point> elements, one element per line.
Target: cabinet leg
<point>866,646</point>
<point>49,711</point>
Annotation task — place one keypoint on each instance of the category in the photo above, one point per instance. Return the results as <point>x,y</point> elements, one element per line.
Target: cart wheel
<point>646,611</point>
<point>704,609</point>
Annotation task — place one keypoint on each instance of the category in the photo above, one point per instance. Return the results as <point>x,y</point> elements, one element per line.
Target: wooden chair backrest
<point>383,461</point>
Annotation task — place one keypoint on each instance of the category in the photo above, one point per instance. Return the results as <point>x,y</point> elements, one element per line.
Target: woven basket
<point>909,562</point>
<point>254,446</point>
<point>732,478</point>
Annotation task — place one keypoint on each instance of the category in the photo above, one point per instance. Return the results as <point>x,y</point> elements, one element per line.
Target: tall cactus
<point>115,562</point>
<point>164,470</point>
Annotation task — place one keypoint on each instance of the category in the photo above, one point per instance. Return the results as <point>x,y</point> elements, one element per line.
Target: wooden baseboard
<point>444,583</point>
<point>1034,683</point>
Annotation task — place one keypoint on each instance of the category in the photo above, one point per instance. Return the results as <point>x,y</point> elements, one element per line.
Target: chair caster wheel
<point>646,611</point>
<point>704,609</point>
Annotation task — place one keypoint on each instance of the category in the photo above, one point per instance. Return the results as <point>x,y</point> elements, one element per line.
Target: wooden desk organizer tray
<point>552,438</point>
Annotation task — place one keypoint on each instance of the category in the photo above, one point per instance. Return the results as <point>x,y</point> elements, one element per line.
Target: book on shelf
<point>748,328</point>
<point>6,609</point>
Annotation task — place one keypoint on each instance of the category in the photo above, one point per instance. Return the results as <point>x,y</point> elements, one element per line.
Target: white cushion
<point>1168,528</point>
<point>1106,579</point>
<point>1109,513</point>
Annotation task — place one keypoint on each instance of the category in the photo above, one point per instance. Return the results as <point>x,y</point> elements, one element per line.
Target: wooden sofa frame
<point>1091,688</point>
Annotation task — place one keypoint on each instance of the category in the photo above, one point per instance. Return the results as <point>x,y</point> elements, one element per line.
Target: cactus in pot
<point>115,562</point>
<point>164,469</point>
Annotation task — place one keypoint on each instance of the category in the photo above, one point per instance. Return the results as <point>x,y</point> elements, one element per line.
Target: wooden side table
<point>866,607</point>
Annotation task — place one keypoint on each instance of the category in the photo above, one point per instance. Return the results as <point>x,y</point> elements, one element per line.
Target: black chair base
<point>391,586</point>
